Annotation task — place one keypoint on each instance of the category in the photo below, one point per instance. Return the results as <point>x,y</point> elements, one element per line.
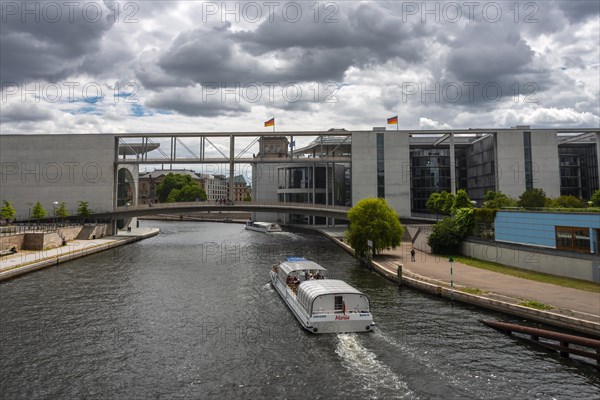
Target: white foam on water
<point>373,374</point>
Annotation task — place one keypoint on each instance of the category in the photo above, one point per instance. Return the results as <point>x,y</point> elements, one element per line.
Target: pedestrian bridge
<point>319,210</point>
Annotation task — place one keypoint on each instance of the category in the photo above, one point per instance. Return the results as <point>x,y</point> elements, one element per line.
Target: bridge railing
<point>234,204</point>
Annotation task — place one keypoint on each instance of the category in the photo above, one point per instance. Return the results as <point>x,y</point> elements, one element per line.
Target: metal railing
<point>17,229</point>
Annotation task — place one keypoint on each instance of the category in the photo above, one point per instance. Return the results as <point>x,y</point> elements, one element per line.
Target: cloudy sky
<point>151,66</point>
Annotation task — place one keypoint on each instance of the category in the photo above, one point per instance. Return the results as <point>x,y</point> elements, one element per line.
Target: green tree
<point>373,219</point>
<point>567,202</point>
<point>461,200</point>
<point>38,211</point>
<point>248,197</point>
<point>192,192</point>
<point>186,189</point>
<point>62,210</point>
<point>440,202</point>
<point>448,199</point>
<point>83,210</point>
<point>173,196</point>
<point>532,198</point>
<point>8,212</point>
<point>497,200</point>
<point>435,202</point>
<point>595,199</point>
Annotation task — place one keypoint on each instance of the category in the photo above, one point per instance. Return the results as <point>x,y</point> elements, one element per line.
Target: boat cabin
<point>297,270</point>
<point>331,296</point>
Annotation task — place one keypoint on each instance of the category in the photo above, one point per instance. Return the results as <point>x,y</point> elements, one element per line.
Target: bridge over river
<point>319,210</point>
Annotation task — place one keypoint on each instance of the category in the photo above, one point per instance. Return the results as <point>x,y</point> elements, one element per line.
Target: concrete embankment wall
<point>50,240</point>
<point>576,266</point>
<point>548,261</point>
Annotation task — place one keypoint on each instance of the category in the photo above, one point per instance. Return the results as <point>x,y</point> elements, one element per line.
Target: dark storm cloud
<point>368,29</point>
<point>580,10</point>
<point>305,51</point>
<point>192,102</point>
<point>494,62</point>
<point>49,46</point>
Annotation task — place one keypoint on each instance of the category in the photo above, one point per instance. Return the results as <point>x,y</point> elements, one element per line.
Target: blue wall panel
<point>537,228</point>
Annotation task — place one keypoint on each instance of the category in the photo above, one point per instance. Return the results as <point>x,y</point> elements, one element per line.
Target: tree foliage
<point>62,210</point>
<point>373,219</point>
<point>596,199</point>
<point>461,200</point>
<point>38,211</point>
<point>178,187</point>
<point>441,202</point>
<point>497,200</point>
<point>567,202</point>
<point>447,234</point>
<point>248,197</point>
<point>533,198</point>
<point>8,212</point>
<point>83,209</point>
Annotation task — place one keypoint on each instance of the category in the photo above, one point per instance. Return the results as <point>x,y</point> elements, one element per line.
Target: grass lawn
<point>531,275</point>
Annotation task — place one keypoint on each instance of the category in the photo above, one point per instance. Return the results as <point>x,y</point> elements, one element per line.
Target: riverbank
<point>25,261</point>
<point>572,309</point>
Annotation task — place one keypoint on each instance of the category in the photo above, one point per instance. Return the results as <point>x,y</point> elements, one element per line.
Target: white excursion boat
<point>321,305</point>
<point>265,227</point>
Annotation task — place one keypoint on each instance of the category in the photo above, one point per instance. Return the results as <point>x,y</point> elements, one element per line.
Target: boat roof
<point>318,287</point>
<point>299,264</point>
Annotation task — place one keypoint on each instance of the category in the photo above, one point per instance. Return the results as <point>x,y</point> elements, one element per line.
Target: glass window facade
<point>430,172</point>
<point>528,162</point>
<point>380,166</point>
<point>481,168</point>
<point>578,170</point>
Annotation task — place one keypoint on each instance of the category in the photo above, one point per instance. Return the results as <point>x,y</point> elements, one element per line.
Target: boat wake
<point>420,359</point>
<point>377,379</point>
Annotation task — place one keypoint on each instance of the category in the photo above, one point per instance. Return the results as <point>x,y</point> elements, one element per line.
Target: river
<point>189,314</point>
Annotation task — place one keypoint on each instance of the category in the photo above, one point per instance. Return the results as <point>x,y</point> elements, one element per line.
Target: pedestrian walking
<point>412,255</point>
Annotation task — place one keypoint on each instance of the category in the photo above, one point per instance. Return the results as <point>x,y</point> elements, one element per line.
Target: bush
<point>484,215</point>
<point>567,202</point>
<point>595,199</point>
<point>533,198</point>
<point>461,200</point>
<point>495,200</point>
<point>445,237</point>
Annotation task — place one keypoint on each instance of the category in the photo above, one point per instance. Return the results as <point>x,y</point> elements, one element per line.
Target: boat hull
<point>322,323</point>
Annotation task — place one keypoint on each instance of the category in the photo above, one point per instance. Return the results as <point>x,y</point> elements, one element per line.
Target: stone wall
<point>8,242</point>
<point>49,240</point>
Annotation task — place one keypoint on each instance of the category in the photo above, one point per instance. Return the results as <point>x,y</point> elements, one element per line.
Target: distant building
<point>240,188</point>
<point>149,181</point>
<point>216,187</point>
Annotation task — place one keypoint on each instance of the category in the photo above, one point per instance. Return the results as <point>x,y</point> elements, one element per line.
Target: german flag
<point>393,120</point>
<point>270,122</point>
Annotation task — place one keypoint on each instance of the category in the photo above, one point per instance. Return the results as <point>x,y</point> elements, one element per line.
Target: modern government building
<point>405,167</point>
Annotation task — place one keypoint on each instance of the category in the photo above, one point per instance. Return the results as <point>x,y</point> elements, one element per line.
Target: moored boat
<point>266,227</point>
<point>321,305</point>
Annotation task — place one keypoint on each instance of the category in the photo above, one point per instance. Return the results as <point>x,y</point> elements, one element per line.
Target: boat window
<point>339,304</point>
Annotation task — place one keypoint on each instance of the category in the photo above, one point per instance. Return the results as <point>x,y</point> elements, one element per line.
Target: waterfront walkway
<point>574,303</point>
<point>26,260</point>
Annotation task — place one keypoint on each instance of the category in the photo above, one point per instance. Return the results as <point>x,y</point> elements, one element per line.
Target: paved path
<point>433,267</point>
<point>496,285</point>
<point>26,257</point>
